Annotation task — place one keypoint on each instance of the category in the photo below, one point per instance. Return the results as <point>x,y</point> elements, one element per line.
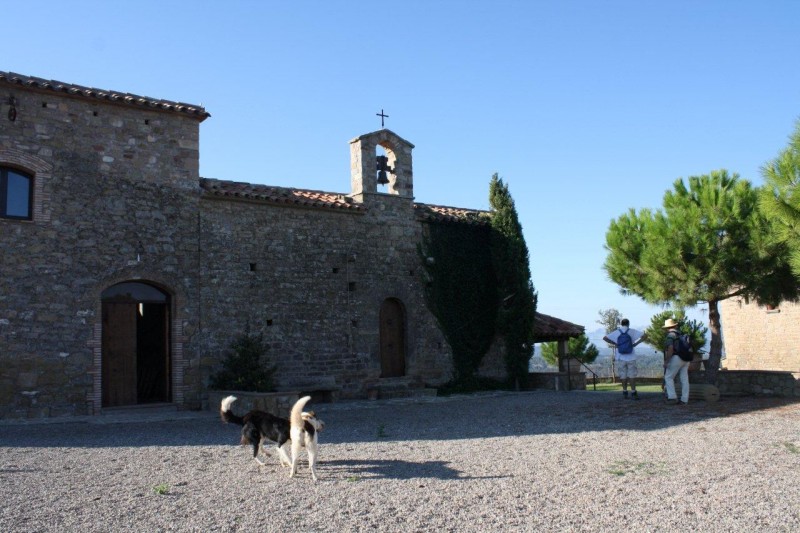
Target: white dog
<point>258,427</point>
<point>303,432</point>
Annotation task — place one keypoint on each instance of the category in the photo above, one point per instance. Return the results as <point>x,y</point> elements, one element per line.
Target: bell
<point>382,179</point>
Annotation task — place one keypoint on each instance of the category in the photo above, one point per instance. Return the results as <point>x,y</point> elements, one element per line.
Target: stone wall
<point>110,185</point>
<point>493,364</point>
<point>753,382</point>
<point>312,283</point>
<point>758,338</point>
<point>117,198</point>
<point>561,381</point>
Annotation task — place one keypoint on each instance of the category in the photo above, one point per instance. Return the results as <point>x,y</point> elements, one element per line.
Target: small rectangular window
<point>16,194</point>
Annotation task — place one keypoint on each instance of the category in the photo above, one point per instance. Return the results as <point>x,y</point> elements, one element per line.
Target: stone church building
<point>125,275</point>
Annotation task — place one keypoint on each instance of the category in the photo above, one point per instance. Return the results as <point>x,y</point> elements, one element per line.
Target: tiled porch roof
<point>548,328</point>
<point>154,104</point>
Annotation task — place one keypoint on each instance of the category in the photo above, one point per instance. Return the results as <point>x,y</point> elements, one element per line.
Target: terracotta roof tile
<point>154,104</point>
<point>441,213</point>
<point>548,328</point>
<point>331,200</point>
<point>278,195</point>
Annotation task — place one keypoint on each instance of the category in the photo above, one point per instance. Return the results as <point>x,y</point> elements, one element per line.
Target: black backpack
<point>682,346</point>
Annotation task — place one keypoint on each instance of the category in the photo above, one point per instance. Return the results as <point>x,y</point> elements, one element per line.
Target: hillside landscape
<point>649,362</point>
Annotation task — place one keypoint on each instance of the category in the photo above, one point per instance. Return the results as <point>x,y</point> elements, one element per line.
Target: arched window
<point>16,194</point>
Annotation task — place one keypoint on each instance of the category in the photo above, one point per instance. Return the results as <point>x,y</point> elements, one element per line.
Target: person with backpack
<point>677,356</point>
<point>625,340</point>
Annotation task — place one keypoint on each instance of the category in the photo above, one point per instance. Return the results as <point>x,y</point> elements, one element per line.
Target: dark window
<point>16,194</point>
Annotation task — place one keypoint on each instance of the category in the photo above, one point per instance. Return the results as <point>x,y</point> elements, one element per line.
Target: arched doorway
<point>393,339</point>
<point>135,345</point>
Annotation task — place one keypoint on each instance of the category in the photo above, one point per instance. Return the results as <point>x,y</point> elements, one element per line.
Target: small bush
<point>243,369</point>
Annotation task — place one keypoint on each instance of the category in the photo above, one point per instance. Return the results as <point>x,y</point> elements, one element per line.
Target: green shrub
<point>243,369</point>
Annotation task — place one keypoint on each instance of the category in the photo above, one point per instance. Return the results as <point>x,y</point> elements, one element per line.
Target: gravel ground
<point>538,461</point>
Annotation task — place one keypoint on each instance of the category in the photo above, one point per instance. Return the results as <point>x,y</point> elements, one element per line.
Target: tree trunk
<point>715,354</point>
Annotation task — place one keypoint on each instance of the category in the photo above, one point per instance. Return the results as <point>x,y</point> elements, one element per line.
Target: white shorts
<point>626,369</point>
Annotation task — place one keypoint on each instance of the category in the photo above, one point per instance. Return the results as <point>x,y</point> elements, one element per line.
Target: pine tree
<point>578,347</point>
<point>657,336</point>
<point>780,197</point>
<point>709,243</point>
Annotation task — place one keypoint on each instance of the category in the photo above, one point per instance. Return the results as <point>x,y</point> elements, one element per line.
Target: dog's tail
<point>296,418</point>
<point>226,413</point>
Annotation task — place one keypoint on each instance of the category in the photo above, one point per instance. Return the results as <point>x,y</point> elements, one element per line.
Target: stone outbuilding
<point>762,348</point>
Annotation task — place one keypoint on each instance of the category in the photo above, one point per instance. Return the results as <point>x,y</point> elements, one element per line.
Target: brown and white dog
<point>258,427</point>
<point>303,432</point>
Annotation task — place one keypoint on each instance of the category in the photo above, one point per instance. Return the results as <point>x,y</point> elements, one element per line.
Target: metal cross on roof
<point>382,116</point>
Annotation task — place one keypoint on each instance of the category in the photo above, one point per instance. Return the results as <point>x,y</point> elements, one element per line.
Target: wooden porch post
<point>562,352</point>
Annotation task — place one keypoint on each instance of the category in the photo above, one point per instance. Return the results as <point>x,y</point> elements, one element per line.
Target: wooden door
<point>119,353</point>
<point>152,351</point>
<point>393,339</point>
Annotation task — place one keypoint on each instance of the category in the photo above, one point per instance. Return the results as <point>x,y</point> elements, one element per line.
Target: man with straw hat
<point>674,365</point>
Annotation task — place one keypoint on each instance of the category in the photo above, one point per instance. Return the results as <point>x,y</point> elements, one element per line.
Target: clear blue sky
<point>584,108</point>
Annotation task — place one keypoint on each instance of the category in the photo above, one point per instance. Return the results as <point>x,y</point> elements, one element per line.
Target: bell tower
<point>368,169</point>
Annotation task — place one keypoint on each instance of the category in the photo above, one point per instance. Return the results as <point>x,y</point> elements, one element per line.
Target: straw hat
<point>669,324</point>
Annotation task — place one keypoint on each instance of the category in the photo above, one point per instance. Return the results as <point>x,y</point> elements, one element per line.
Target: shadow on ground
<point>458,417</point>
<point>358,469</point>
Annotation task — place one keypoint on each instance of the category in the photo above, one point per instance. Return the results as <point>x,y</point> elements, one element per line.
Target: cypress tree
<point>516,296</point>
